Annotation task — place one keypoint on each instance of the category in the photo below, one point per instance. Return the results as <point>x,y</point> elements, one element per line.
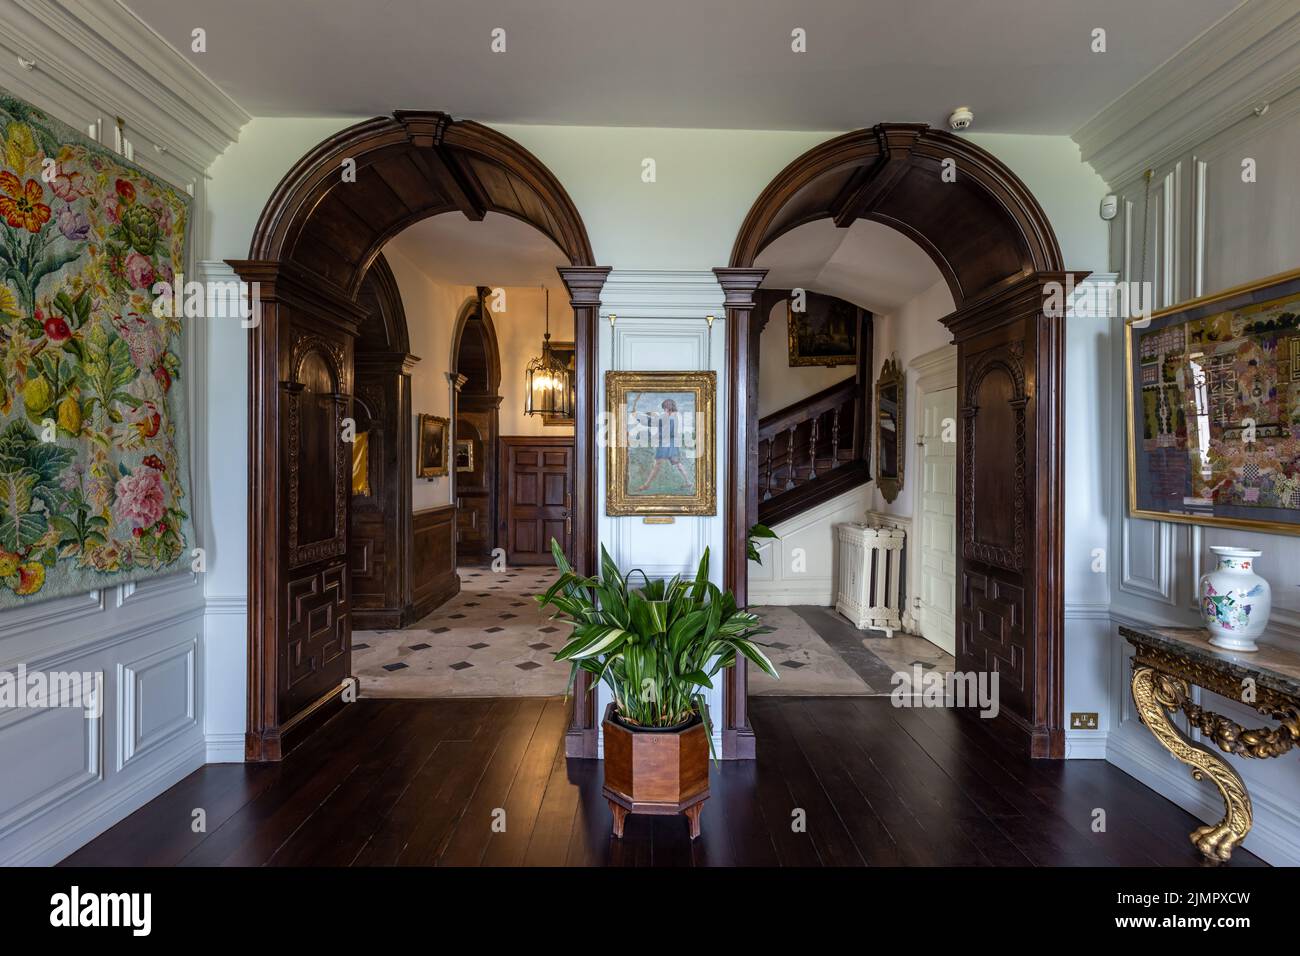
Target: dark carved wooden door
<point>538,499</point>
<point>315,653</point>
<point>1009,504</point>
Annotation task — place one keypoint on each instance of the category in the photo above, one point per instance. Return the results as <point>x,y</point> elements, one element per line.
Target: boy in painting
<point>668,445</point>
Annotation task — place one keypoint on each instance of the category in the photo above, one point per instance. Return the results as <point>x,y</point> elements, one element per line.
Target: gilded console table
<point>1169,659</point>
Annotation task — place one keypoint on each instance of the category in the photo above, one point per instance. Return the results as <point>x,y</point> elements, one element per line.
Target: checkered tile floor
<point>490,640</point>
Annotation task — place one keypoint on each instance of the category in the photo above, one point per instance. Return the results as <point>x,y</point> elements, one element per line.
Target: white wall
<point>1208,230</point>
<point>800,565</point>
<point>661,327</point>
<point>914,330</point>
<point>779,383</point>
<point>68,777</point>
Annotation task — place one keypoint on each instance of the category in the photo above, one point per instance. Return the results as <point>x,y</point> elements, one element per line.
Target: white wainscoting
<point>800,566</point>
<point>69,776</point>
<point>661,326</point>
<point>1206,230</point>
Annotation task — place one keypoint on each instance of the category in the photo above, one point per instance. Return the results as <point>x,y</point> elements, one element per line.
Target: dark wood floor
<point>417,782</point>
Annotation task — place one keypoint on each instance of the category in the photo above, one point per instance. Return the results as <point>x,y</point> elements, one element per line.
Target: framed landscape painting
<point>826,333</point>
<point>659,451</point>
<point>431,450</point>
<point>1213,397</point>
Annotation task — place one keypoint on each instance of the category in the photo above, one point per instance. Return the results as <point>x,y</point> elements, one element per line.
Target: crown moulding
<point>1250,57</point>
<point>102,54</point>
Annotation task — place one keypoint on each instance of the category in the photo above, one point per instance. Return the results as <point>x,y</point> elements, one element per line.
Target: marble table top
<point>1271,667</point>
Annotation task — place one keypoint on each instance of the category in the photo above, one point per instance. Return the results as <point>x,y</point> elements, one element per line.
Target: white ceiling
<point>868,264</point>
<point>499,251</point>
<point>1021,65</point>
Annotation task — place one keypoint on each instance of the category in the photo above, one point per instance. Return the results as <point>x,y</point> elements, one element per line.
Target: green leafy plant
<point>751,545</point>
<point>656,647</point>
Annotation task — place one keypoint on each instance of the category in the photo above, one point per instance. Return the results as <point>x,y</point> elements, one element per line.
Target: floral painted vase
<point>1235,601</point>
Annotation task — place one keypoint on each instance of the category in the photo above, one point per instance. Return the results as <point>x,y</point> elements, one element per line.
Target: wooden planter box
<point>656,772</point>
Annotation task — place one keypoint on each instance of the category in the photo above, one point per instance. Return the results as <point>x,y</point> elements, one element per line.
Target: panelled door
<point>537,497</point>
<point>937,590</point>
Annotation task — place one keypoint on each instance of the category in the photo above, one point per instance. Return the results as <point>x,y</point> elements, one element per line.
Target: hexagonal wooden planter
<point>662,772</point>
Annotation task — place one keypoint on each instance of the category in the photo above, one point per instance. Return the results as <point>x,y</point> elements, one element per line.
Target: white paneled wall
<point>1207,229</point>
<point>68,776</point>
<point>661,327</point>
<point>799,566</point>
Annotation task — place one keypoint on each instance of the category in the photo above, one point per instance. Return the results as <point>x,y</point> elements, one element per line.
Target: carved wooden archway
<point>316,239</point>
<point>477,416</point>
<point>994,246</point>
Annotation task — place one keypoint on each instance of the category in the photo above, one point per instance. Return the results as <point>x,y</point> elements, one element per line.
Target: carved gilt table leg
<point>1156,696</point>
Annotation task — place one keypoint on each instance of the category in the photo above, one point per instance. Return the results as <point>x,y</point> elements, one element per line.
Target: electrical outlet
<point>1083,721</point>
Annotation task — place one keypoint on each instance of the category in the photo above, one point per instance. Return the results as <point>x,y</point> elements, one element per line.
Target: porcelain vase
<point>1235,601</point>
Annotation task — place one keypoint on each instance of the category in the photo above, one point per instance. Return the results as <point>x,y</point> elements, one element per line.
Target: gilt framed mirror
<point>890,401</point>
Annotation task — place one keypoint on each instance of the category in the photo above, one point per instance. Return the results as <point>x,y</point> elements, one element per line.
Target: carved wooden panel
<point>476,489</point>
<point>993,453</point>
<point>433,559</point>
<point>318,461</point>
<point>991,634</point>
<point>318,636</point>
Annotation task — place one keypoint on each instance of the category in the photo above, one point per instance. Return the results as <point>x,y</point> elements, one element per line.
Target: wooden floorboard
<point>838,782</point>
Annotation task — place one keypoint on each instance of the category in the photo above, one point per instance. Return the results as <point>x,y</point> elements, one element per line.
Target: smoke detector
<point>961,118</point>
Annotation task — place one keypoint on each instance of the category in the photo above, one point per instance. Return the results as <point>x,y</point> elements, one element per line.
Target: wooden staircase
<point>812,451</point>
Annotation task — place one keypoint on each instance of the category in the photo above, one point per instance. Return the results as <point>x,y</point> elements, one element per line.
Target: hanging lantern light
<point>548,386</point>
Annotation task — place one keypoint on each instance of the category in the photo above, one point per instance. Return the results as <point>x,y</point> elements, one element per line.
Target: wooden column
<point>584,284</point>
<point>1010,511</point>
<point>739,286</point>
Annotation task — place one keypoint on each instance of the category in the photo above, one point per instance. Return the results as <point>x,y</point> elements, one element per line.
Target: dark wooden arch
<point>996,249</point>
<point>314,244</point>
<point>492,351</point>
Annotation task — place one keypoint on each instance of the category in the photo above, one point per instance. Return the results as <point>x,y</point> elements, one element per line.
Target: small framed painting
<point>1213,398</point>
<point>660,447</point>
<point>564,352</point>
<point>825,333</point>
<point>431,451</point>
<point>464,454</point>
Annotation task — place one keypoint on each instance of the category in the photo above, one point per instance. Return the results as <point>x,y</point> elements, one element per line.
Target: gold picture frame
<point>660,443</point>
<point>835,349</point>
<point>1214,404</point>
<point>891,449</point>
<point>431,446</point>
<point>464,455</point>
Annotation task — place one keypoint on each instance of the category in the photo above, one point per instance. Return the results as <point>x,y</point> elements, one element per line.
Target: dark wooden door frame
<point>488,402</point>
<point>505,444</point>
<point>324,225</point>
<point>892,174</point>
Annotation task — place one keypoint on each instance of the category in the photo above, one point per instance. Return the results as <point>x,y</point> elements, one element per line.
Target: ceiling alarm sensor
<point>961,118</point>
<point>1109,207</point>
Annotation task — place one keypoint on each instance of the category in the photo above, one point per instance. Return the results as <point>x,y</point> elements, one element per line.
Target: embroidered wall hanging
<point>94,467</point>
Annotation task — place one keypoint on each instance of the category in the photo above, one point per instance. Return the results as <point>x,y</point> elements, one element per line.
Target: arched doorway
<point>379,541</point>
<point>476,365</point>
<point>314,243</point>
<point>995,247</point>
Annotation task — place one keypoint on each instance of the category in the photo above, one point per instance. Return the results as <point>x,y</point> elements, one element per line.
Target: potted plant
<point>657,648</point>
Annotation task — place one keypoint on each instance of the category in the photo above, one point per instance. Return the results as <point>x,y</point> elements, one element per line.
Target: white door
<point>937,592</point>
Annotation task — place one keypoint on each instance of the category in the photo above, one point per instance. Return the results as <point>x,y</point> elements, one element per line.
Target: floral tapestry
<point>93,458</point>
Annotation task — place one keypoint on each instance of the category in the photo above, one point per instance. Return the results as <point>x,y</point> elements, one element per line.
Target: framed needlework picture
<point>659,451</point>
<point>1213,398</point>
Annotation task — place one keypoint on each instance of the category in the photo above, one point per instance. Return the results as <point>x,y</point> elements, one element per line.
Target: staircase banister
<point>808,408</point>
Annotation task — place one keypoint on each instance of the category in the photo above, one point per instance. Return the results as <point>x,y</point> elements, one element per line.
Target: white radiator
<point>870,576</point>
